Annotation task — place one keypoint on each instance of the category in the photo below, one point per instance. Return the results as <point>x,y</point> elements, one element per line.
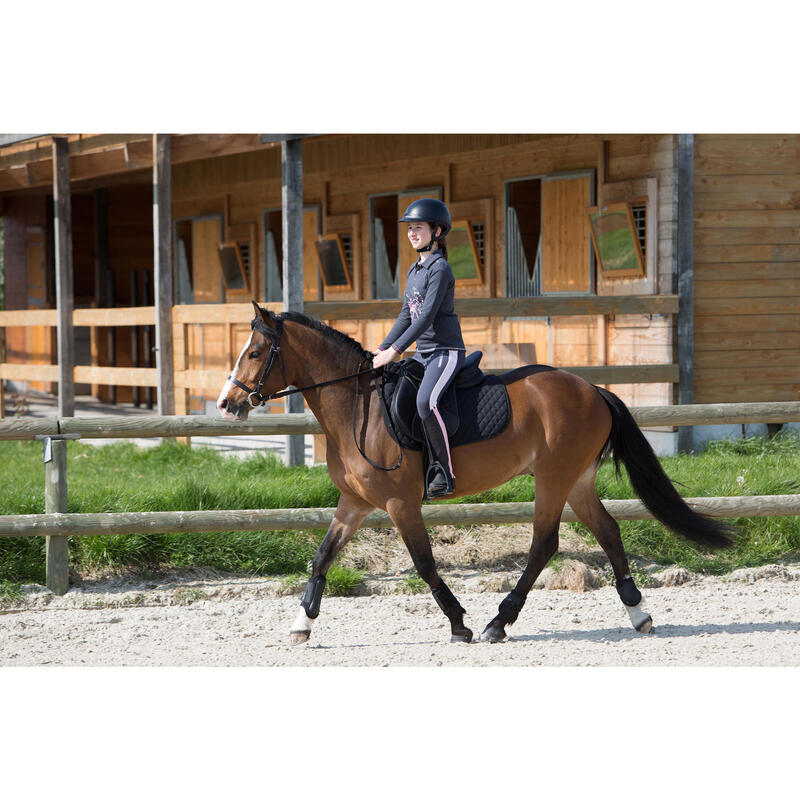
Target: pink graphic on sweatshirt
<point>415,304</point>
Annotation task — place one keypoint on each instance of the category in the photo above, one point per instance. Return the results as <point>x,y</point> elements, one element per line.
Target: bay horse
<point>559,430</point>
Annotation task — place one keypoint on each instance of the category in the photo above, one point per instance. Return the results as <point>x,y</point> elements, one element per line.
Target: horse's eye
<point>255,354</point>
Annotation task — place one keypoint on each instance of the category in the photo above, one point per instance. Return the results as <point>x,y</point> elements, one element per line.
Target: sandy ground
<point>750,618</point>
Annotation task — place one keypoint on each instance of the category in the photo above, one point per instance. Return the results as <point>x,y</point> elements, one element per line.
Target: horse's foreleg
<point>544,546</point>
<point>350,513</point>
<point>409,522</point>
<point>583,500</point>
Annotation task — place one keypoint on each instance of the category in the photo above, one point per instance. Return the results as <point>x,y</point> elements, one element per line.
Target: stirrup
<point>438,488</point>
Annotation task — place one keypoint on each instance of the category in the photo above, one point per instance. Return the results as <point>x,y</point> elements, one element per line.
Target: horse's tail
<point>652,484</point>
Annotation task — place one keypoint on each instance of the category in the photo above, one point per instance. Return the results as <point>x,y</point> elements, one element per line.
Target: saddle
<point>474,407</point>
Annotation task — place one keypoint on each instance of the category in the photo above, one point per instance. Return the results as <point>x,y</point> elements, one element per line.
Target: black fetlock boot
<point>438,480</point>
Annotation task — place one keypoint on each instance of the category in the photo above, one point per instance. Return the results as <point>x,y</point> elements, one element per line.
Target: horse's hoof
<point>463,635</point>
<point>646,625</point>
<point>299,637</point>
<point>493,633</point>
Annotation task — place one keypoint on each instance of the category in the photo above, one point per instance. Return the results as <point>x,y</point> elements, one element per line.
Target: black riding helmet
<point>432,211</point>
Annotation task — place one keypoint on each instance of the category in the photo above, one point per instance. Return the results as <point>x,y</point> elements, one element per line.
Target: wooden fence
<point>239,313</point>
<point>57,525</point>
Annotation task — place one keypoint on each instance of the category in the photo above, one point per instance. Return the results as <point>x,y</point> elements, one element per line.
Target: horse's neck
<point>331,405</point>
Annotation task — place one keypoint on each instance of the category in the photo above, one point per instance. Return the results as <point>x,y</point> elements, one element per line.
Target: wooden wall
<point>747,268</point>
<point>341,172</point>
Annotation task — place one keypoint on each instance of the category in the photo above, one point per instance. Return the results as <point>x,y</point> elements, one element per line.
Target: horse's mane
<point>327,331</point>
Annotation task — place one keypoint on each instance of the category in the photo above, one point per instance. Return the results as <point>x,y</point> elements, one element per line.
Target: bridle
<point>256,399</point>
<point>254,396</point>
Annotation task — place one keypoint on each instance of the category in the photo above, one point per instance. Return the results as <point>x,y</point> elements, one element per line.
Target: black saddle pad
<point>483,410</point>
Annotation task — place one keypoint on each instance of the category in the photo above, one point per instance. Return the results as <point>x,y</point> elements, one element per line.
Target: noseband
<point>254,396</point>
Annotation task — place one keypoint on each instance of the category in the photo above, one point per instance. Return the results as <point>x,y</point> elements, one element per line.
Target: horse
<point>560,429</point>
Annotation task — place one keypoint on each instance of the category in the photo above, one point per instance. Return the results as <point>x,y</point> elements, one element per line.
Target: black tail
<point>652,484</point>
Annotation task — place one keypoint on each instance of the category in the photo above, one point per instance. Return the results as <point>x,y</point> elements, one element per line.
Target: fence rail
<point>238,313</point>
<point>57,525</point>
<point>121,427</point>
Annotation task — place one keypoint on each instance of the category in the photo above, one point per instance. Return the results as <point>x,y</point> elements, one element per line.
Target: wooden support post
<point>162,261</point>
<point>292,217</point>
<point>685,281</point>
<point>55,502</point>
<point>100,270</point>
<point>64,283</point>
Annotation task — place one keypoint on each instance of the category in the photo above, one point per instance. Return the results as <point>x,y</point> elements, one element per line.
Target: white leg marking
<point>302,624</point>
<point>640,619</point>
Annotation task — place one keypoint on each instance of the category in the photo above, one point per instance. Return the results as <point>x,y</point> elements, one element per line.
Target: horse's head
<point>258,371</point>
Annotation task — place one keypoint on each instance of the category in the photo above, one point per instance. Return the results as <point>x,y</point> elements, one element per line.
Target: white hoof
<point>301,628</point>
<point>640,619</point>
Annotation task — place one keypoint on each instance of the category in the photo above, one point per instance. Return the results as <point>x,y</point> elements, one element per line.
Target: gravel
<point>748,618</point>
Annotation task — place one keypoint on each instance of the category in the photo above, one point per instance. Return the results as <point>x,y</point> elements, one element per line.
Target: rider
<point>428,317</point>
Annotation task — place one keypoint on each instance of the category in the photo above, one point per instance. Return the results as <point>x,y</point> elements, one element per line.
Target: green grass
<point>172,477</point>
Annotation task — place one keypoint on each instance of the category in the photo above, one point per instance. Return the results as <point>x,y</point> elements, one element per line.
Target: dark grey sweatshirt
<point>428,316</point>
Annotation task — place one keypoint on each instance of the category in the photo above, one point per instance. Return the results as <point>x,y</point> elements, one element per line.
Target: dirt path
<point>749,618</point>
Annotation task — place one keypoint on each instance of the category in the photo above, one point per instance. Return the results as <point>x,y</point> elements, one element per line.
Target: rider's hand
<point>383,357</point>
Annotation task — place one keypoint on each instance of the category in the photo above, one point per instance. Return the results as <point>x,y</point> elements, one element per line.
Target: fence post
<point>55,502</point>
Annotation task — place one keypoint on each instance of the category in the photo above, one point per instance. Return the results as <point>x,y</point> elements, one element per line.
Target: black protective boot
<point>438,480</point>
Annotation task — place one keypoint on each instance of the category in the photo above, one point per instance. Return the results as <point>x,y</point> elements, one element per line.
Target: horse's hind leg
<point>350,513</point>
<point>407,517</point>
<point>546,519</point>
<point>590,511</point>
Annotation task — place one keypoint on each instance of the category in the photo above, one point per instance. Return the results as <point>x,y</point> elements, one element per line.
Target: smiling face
<point>419,234</point>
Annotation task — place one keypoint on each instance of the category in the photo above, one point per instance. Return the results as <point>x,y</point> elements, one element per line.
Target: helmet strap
<point>431,243</point>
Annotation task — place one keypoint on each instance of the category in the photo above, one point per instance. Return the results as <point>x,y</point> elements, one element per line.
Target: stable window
<point>619,240</point>
<point>234,260</point>
<point>334,264</point>
<point>198,272</point>
<point>548,248</point>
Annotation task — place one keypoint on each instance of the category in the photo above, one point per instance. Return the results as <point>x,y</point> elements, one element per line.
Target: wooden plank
<point>728,237</point>
<point>135,315</point>
<point>508,307</point>
<point>202,379</point>
<point>716,414</point>
<point>741,392</point>
<point>754,375</point>
<point>65,303</point>
<point>162,266</point>
<point>220,312</point>
<point>152,522</point>
<point>748,288</point>
<point>753,340</point>
<point>29,372</point>
<point>195,425</point>
<point>565,235</point>
<point>631,373</point>
<point>769,200</point>
<point>29,318</point>
<point>744,359</point>
<point>747,306</point>
<point>117,376</point>
<point>775,323</point>
<point>746,218</point>
<point>758,253</point>
<point>723,272</point>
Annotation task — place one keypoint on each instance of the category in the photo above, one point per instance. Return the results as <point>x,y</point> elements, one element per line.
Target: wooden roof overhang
<point>26,160</point>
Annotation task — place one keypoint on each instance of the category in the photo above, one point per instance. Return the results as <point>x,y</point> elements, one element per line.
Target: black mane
<point>327,331</point>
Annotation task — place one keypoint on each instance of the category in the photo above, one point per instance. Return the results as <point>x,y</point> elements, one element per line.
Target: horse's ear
<point>260,312</point>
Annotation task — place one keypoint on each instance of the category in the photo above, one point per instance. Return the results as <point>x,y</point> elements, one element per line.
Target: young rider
<point>428,317</point>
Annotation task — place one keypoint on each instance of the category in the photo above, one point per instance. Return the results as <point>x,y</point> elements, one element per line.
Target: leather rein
<point>256,399</point>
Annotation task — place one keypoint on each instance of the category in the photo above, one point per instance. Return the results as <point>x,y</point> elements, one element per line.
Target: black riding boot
<point>438,480</point>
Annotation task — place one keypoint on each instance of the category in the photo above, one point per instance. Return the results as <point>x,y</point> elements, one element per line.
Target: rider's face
<point>419,234</point>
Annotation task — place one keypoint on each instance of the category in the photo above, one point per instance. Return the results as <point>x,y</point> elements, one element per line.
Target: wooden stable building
<point>666,267</point>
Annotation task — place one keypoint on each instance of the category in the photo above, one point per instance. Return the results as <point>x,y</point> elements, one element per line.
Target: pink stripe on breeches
<point>425,406</point>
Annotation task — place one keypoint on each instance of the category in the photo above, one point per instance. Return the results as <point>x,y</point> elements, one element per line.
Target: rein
<point>256,399</point>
